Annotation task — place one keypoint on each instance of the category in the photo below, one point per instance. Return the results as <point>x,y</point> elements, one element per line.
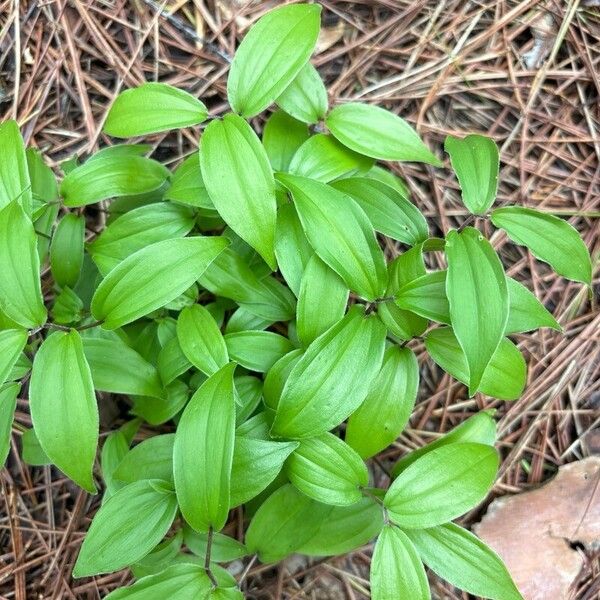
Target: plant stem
<point>207,569</point>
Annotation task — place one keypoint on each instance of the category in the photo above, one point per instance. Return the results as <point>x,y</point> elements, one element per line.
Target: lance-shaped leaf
<point>153,107</point>
<point>31,451</point>
<point>271,55</point>
<point>112,176</point>
<point>426,296</point>
<point>478,297</point>
<point>14,174</point>
<point>504,377</point>
<point>249,393</point>
<point>152,277</point>
<point>256,463</point>
<point>332,378</point>
<point>239,180</point>
<point>150,459</point>
<point>321,302</point>
<point>8,404</point>
<point>389,211</point>
<point>549,238</point>
<point>476,162</point>
<point>457,556</point>
<point>327,469</point>
<point>376,132</point>
<point>525,311</point>
<point>63,406</point>
<point>20,287</point>
<point>396,569</point>
<point>187,185</point>
<point>205,438</point>
<point>223,548</point>
<point>305,98</point>
<point>12,342</point>
<point>340,233</point>
<point>113,451</point>
<point>257,350</point>
<point>201,339</point>
<point>442,485</point>
<point>323,158</point>
<point>277,376</point>
<point>402,324</point>
<point>43,180</point>
<point>282,136</point>
<point>127,527</point>
<point>385,411</point>
<point>66,250</point>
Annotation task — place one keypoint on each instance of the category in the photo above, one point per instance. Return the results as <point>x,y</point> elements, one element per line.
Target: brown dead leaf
<point>533,532</point>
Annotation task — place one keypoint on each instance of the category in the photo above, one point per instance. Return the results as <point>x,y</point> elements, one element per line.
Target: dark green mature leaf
<point>239,181</point>
<point>187,185</point>
<point>385,411</point>
<point>8,404</point>
<point>32,453</point>
<point>20,287</point>
<point>257,350</point>
<point>526,312</point>
<point>305,98</point>
<point>457,556</point>
<point>396,569</point>
<point>153,107</point>
<point>476,162</point>
<point>426,296</point>
<point>127,527</point>
<point>271,55</point>
<point>442,485</point>
<point>256,463</point>
<point>341,234</point>
<point>137,229</point>
<point>63,406</point>
<point>327,469</point>
<point>205,438</point>
<point>321,302</point>
<point>376,132</point>
<point>152,277</point>
<point>277,376</point>
<point>282,136</point>
<point>504,377</point>
<point>332,378</point>
<point>478,298</point>
<point>389,211</point>
<point>549,238</point>
<point>14,175</point>
<point>111,176</point>
<point>12,342</point>
<point>323,158</point>
<point>150,459</point>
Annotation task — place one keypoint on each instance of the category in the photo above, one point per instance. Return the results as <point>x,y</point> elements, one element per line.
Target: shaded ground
<point>449,66</point>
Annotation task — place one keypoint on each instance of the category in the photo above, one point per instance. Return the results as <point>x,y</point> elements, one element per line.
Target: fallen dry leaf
<point>534,532</point>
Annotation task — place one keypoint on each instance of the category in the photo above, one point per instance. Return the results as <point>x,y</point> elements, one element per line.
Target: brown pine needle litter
<point>525,72</point>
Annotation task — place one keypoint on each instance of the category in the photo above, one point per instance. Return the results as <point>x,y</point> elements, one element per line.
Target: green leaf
<point>43,228</point>
<point>479,428</point>
<point>385,411</point>
<point>426,296</point>
<point>68,307</point>
<point>256,463</point>
<point>8,404</point>
<point>504,377</point>
<point>111,176</point>
<point>321,302</point>
<point>223,548</point>
<point>257,350</point>
<point>12,342</point>
<point>152,277</point>
<point>113,452</point>
<point>402,324</point>
<point>160,410</point>
<point>340,233</point>
<point>277,376</point>
<point>305,98</point>
<point>127,527</point>
<point>163,556</point>
<point>43,180</point>
<point>441,485</point>
<point>249,394</point>
<point>32,453</point>
<point>243,320</point>
<point>201,340</point>
<point>172,362</point>
<point>282,136</point>
<point>271,55</point>
<point>14,175</point>
<point>20,287</point>
<point>66,250</point>
<point>205,438</point>
<point>153,107</point>
<point>478,298</point>
<point>389,211</point>
<point>323,158</point>
<point>457,556</point>
<point>187,185</point>
<point>376,132</point>
<point>150,459</point>
<point>328,470</point>
<point>396,569</point>
<point>137,229</point>
<point>63,406</point>
<point>239,180</point>
<point>549,238</point>
<point>525,311</point>
<point>476,162</point>
<point>332,378</point>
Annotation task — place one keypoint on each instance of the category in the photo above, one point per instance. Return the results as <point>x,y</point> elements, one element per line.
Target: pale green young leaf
<point>376,132</point>
<point>277,376</point>
<point>305,98</point>
<point>66,250</point>
<point>114,449</point>
<point>243,320</point>
<point>8,404</point>
<point>271,55</point>
<point>63,406</point>
<point>476,161</point>
<point>68,307</point>
<point>187,185</point>
<point>223,548</point>
<point>172,362</point>
<point>379,173</point>
<point>282,136</point>
<point>151,108</point>
<point>549,238</point>
<point>257,350</point>
<point>43,180</point>
<point>161,557</point>
<point>160,410</point>
<point>150,459</point>
<point>525,311</point>
<point>43,225</point>
<point>402,324</point>
<point>15,183</point>
<point>12,342</point>
<point>426,296</point>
